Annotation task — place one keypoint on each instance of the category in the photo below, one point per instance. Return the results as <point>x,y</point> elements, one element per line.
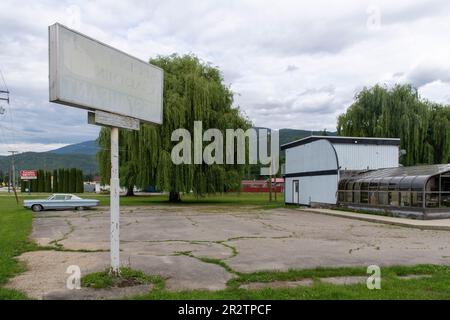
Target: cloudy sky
<point>291,64</point>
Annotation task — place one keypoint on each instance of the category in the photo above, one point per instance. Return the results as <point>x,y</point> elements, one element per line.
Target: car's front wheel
<point>79,208</point>
<point>37,208</point>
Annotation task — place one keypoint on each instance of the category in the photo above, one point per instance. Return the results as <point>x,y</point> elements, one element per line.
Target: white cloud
<point>294,64</point>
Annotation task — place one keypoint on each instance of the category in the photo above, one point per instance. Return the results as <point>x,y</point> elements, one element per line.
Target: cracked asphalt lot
<point>172,240</point>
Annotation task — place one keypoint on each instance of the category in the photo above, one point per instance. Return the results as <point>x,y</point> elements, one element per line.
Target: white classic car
<point>60,202</point>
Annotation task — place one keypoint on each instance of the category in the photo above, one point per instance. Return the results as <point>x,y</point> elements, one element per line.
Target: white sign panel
<point>88,74</point>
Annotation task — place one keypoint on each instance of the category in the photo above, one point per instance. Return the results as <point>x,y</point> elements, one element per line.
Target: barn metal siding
<point>320,189</point>
<point>288,190</point>
<point>312,164</point>
<point>365,156</point>
<point>315,156</point>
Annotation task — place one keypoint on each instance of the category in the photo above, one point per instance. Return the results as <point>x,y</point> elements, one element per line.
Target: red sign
<point>28,174</point>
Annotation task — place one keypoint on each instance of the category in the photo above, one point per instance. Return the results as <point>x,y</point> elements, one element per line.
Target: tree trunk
<point>130,191</point>
<point>174,196</point>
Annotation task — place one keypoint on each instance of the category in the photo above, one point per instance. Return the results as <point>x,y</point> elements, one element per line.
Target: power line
<point>6,92</point>
<point>3,78</point>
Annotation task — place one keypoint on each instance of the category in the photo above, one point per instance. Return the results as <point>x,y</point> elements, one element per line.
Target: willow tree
<point>193,91</point>
<point>398,112</point>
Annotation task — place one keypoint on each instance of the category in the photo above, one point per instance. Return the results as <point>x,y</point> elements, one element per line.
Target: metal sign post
<point>115,202</point>
<point>118,90</point>
<point>114,122</point>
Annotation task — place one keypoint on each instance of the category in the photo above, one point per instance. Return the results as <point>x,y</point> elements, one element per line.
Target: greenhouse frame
<point>418,191</point>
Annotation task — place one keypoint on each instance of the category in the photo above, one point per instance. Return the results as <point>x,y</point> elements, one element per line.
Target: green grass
<point>229,199</point>
<point>15,226</point>
<point>104,279</point>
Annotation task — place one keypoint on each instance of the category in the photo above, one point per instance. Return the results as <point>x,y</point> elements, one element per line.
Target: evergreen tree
<point>34,185</point>
<point>79,181</point>
<point>41,181</point>
<point>48,182</point>
<point>55,181</point>
<point>66,181</point>
<point>61,180</point>
<point>23,185</point>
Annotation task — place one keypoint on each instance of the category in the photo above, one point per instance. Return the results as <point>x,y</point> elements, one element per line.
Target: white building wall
<point>318,189</point>
<point>313,189</point>
<point>311,157</point>
<point>366,156</point>
<point>322,155</point>
<point>315,156</point>
<point>288,190</point>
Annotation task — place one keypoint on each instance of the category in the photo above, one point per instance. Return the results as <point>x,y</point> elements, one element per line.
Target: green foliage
<point>64,181</point>
<point>422,126</point>
<point>436,286</point>
<point>15,227</point>
<point>193,91</point>
<point>79,181</point>
<point>104,279</point>
<point>55,181</point>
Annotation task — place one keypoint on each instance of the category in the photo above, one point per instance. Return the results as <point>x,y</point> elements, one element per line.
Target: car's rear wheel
<point>37,208</point>
<point>79,208</point>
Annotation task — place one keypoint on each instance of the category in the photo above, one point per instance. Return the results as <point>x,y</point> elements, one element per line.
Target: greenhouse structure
<point>421,192</point>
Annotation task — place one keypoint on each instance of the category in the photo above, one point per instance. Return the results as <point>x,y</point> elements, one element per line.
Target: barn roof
<point>341,139</point>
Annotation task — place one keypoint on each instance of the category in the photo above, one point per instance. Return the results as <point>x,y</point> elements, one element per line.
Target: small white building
<point>314,164</point>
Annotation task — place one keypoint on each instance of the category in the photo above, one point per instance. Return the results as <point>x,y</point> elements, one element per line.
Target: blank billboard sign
<point>88,74</point>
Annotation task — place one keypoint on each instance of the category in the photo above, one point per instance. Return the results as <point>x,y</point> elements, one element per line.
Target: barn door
<point>295,189</point>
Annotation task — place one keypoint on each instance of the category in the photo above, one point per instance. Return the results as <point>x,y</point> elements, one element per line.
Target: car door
<point>57,202</point>
<point>68,202</point>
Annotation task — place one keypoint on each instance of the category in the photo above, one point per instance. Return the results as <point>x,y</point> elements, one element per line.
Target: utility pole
<point>269,145</point>
<point>13,169</point>
<point>4,95</point>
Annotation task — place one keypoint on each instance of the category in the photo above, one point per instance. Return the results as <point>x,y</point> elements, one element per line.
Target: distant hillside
<point>86,147</point>
<point>50,161</point>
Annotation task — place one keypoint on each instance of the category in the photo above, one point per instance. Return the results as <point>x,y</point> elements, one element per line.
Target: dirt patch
<point>414,276</point>
<point>98,294</point>
<point>344,280</point>
<point>47,270</point>
<point>278,284</point>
